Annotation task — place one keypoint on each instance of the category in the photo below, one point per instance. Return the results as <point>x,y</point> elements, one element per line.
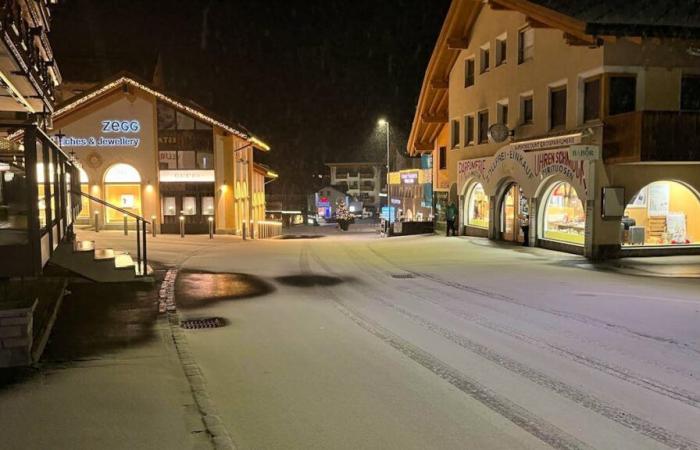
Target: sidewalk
<point>110,378</point>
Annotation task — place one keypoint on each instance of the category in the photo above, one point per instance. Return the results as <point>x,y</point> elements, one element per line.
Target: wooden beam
<point>424,146</point>
<point>440,117</point>
<point>497,6</point>
<point>577,41</point>
<point>457,43</point>
<point>536,23</point>
<point>439,83</point>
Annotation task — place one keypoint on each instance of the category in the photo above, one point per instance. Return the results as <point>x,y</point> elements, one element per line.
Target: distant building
<point>325,201</point>
<point>361,181</point>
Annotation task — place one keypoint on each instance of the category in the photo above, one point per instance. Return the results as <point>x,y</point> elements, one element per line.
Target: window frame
<point>482,139</point>
<point>442,158</point>
<point>501,49</point>
<point>521,44</point>
<point>485,50</point>
<point>469,130</point>
<point>601,98</point>
<point>455,129</point>
<point>684,76</point>
<point>555,90</point>
<point>524,98</point>
<point>501,106</point>
<point>471,60</point>
<point>607,95</point>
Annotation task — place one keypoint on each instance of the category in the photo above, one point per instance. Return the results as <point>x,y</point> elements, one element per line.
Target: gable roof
<point>126,79</point>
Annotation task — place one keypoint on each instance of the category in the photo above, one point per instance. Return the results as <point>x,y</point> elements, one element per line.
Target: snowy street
<point>348,341</point>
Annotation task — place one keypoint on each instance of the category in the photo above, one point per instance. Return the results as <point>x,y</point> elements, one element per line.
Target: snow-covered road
<point>445,343</point>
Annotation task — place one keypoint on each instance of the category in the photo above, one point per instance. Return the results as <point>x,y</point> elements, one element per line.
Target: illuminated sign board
<point>409,178</point>
<point>187,176</point>
<point>117,133</point>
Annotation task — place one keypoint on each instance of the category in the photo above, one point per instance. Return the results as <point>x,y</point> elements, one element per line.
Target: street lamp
<point>385,123</point>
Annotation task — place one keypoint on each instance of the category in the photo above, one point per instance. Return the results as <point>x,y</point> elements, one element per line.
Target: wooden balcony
<point>652,136</point>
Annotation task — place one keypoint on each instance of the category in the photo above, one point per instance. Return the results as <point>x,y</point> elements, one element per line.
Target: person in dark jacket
<point>451,217</point>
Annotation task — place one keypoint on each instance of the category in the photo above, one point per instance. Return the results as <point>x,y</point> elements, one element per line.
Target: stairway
<point>104,265</point>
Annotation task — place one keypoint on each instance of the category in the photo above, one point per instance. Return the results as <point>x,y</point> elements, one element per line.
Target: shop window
<point>442,163</point>
<point>484,59</point>
<point>202,126</point>
<point>690,93</point>
<point>623,94</point>
<point>527,110</point>
<point>514,214</point>
<point>477,207</point>
<point>564,215</point>
<point>184,122</point>
<point>166,117</point>
<point>483,127</point>
<point>189,206</point>
<point>208,206</point>
<point>591,99</point>
<point>557,108</point>
<point>664,213</point>
<point>186,160</point>
<point>169,206</point>
<point>526,44</point>
<point>167,160</point>
<point>455,133</point>
<point>501,50</point>
<point>205,160</point>
<point>469,72</point>
<point>469,130</point>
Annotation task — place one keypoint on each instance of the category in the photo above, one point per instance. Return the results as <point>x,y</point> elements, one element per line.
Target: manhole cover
<point>402,276</point>
<point>209,322</point>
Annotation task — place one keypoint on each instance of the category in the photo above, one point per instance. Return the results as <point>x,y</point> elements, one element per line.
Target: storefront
<point>159,158</point>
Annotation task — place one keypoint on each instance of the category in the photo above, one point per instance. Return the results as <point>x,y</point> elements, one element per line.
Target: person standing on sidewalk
<point>451,217</point>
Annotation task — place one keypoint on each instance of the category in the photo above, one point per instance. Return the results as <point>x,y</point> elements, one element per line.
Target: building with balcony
<point>162,158</point>
<point>567,125</point>
<point>362,182</point>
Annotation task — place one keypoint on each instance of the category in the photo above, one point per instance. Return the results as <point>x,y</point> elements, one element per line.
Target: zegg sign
<point>127,129</point>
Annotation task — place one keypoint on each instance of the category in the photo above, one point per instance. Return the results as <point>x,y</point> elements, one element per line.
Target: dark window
<point>469,73</point>
<point>527,110</point>
<point>591,99</point>
<point>623,94</point>
<point>469,130</point>
<point>443,158</point>
<point>503,113</point>
<point>501,50</point>
<point>526,44</point>
<point>690,93</point>
<point>485,55</point>
<point>455,133</point>
<point>483,127</point>
<point>557,108</point>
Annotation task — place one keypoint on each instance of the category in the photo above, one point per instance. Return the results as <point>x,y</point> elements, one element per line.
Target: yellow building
<point>566,127</point>
<point>162,158</point>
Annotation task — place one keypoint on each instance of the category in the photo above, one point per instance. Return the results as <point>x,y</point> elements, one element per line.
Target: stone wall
<point>16,336</point>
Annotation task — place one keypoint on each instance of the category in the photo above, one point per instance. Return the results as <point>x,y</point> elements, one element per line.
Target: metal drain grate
<point>402,276</point>
<point>209,322</point>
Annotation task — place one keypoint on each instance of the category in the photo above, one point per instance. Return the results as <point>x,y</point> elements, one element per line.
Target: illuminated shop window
<point>189,206</point>
<point>664,213</point>
<point>478,207</point>
<point>564,215</point>
<point>169,206</point>
<point>85,188</point>
<point>208,206</point>
<point>122,189</point>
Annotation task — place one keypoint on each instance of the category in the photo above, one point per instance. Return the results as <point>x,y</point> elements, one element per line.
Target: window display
<point>478,207</point>
<point>189,206</point>
<point>564,215</point>
<point>514,214</point>
<point>662,213</point>
<point>208,206</point>
<point>169,206</point>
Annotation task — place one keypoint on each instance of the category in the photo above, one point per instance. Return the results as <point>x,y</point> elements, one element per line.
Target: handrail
<point>109,205</point>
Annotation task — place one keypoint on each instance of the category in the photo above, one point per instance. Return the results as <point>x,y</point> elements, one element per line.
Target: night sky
<point>309,77</point>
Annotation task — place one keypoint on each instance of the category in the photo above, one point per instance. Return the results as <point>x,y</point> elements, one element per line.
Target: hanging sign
<point>584,152</point>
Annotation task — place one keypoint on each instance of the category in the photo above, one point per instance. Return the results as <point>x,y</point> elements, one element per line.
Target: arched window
<point>122,173</point>
<point>477,207</point>
<point>122,189</point>
<point>564,217</point>
<point>85,188</point>
<point>663,213</point>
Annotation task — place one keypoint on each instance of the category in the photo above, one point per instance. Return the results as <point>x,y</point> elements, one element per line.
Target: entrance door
<point>513,208</point>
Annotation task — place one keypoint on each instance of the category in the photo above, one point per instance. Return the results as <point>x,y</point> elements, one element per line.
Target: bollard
<point>153,225</point>
<point>211,227</point>
<point>126,226</point>
<point>97,221</point>
<point>182,226</point>
<point>243,233</point>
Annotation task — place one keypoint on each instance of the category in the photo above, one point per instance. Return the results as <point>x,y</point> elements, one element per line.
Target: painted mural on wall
<point>528,169</point>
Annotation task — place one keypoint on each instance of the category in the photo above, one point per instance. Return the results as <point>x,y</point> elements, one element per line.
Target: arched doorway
<point>122,189</point>
<point>563,215</point>
<point>513,211</point>
<point>663,213</point>
<point>476,207</point>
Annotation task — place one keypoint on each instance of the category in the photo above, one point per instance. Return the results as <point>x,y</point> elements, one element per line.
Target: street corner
<point>199,289</point>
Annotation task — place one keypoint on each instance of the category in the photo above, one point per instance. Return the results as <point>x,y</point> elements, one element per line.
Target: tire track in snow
<point>541,429</point>
<point>581,397</point>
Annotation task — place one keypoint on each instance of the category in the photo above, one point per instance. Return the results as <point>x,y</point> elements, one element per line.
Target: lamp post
<point>385,123</point>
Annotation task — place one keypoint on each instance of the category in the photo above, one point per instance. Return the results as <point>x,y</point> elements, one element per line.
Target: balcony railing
<point>652,136</point>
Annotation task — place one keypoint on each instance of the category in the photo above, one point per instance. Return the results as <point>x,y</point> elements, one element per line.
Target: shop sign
<point>558,162</point>
<point>471,167</point>
<point>584,152</point>
<point>187,176</point>
<point>409,178</point>
<point>123,128</point>
<point>540,144</point>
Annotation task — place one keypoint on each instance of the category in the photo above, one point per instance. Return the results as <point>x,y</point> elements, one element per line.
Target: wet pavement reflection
<point>197,289</point>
